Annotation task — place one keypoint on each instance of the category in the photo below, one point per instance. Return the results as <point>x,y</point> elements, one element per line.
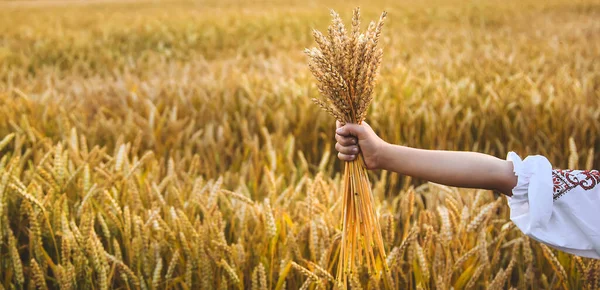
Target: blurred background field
<point>154,144</point>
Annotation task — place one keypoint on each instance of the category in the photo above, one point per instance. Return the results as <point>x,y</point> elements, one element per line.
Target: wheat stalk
<point>38,275</point>
<point>346,69</point>
<point>556,266</point>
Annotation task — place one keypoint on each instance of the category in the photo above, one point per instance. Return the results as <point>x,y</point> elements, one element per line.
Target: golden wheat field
<point>174,145</point>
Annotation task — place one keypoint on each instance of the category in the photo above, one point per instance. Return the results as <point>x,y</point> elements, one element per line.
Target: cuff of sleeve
<point>531,203</point>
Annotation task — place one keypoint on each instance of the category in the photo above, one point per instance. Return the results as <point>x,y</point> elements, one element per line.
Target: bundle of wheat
<point>346,68</point>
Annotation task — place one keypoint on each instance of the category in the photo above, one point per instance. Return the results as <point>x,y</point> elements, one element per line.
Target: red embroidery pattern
<point>565,180</point>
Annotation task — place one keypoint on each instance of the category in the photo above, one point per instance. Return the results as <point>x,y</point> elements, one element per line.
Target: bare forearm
<point>453,168</point>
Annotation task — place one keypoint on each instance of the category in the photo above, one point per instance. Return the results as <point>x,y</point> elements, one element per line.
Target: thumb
<point>351,130</point>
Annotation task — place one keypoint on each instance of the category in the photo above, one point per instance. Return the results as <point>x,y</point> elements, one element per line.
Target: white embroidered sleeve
<point>560,208</point>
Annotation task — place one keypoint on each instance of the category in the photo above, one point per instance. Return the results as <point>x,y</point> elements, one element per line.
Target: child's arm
<point>453,168</point>
<point>557,207</point>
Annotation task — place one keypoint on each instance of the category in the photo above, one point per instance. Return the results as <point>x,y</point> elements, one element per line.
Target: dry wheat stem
<point>346,69</point>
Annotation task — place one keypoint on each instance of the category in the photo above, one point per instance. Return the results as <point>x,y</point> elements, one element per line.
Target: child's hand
<point>369,143</point>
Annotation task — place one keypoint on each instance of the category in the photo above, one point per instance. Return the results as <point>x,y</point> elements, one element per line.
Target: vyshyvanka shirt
<point>560,208</point>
